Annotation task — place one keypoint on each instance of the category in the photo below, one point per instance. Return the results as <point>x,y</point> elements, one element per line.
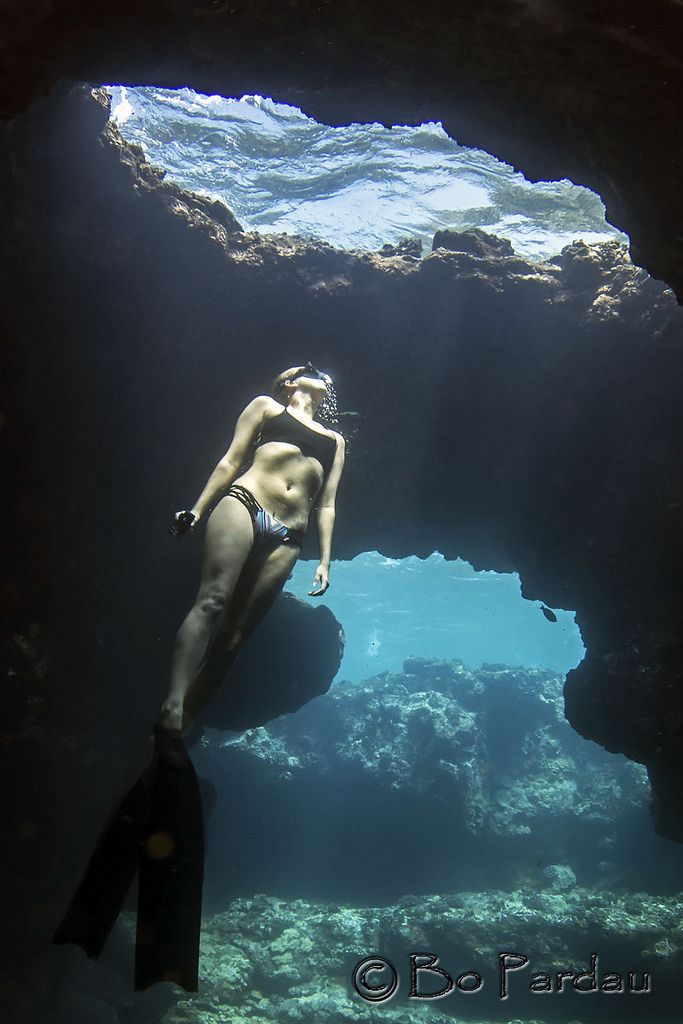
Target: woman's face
<point>312,385</point>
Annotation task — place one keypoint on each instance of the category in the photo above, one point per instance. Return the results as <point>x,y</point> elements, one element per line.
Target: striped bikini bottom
<point>267,529</point>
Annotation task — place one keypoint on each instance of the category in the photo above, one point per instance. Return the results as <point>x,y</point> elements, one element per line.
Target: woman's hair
<point>277,388</point>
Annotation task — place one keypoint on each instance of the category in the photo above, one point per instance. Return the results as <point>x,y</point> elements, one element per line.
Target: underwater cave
<point>518,410</point>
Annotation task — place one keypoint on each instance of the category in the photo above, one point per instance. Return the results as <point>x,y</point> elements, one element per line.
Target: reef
<point>269,959</point>
<point>488,749</point>
<point>476,770</point>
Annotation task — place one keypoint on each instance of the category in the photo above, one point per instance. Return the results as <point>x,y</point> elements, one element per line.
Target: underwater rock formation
<point>548,391</point>
<point>434,780</point>
<point>268,959</point>
<point>563,90</point>
<point>475,241</point>
<point>263,952</point>
<point>294,658</point>
<point>491,745</point>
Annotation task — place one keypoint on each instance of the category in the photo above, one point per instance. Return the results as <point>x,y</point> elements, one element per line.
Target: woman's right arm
<point>229,466</point>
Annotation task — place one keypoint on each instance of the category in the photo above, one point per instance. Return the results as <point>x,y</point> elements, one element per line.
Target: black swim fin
<point>158,831</point>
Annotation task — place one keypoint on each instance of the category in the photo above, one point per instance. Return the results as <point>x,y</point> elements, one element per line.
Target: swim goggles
<point>309,370</point>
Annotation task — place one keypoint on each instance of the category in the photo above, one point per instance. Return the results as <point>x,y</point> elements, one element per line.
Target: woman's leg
<point>229,539</point>
<point>263,578</point>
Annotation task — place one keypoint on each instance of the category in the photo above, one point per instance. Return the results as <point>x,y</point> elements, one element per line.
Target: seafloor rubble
<point>267,959</point>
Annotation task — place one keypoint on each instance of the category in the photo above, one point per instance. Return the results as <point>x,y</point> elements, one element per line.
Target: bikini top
<point>287,428</point>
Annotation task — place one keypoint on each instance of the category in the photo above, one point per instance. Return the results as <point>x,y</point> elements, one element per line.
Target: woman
<point>255,532</point>
<point>253,538</point>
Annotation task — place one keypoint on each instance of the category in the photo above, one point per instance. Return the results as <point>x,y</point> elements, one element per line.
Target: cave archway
<point>563,454</point>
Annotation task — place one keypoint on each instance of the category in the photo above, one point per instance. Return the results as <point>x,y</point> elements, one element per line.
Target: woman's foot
<point>169,747</point>
<point>171,718</point>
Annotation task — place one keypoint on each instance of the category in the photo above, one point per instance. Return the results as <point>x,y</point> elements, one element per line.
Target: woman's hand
<point>183,522</point>
<point>321,580</point>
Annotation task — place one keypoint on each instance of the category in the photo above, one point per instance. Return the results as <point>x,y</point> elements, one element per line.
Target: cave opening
<point>359,186</point>
<point>394,609</point>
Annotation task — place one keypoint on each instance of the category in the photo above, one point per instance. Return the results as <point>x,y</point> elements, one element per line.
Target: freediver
<point>253,538</point>
<point>255,532</point>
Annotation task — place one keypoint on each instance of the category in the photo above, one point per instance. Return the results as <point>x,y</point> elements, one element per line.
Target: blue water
<point>433,608</point>
<point>358,186</point>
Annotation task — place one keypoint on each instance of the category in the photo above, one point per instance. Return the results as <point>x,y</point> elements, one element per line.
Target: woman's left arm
<point>325,519</point>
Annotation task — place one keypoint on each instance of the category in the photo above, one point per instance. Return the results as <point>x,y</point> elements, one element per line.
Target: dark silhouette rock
<point>292,658</point>
<point>474,241</point>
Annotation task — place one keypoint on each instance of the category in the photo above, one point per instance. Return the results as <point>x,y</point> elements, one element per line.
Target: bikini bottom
<point>267,529</point>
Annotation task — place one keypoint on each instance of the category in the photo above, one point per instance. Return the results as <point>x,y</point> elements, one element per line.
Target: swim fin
<point>158,831</point>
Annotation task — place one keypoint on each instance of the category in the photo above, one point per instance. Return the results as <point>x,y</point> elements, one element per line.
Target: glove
<point>183,522</point>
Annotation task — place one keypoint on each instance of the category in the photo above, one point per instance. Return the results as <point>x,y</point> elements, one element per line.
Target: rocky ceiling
<point>583,89</point>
